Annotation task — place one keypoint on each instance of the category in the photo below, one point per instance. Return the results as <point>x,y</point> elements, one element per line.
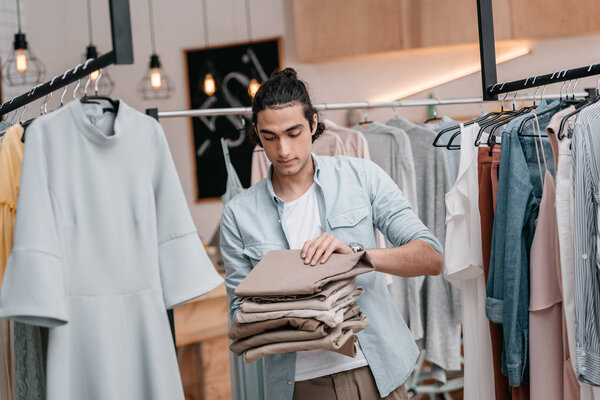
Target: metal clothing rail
<point>365,105</point>
<point>487,53</point>
<point>122,53</point>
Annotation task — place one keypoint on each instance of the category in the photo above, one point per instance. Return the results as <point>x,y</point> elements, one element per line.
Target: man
<point>326,205</point>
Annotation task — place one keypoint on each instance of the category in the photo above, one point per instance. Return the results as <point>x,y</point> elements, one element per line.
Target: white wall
<point>57,31</point>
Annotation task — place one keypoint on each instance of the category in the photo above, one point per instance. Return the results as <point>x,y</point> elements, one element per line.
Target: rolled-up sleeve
<point>392,213</point>
<point>237,265</point>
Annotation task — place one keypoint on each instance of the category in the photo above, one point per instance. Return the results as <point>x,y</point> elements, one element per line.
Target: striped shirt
<point>586,170</point>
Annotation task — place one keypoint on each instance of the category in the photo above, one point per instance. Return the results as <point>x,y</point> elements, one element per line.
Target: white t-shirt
<point>302,222</point>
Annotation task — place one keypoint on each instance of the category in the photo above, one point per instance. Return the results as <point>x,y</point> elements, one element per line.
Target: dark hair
<point>283,89</point>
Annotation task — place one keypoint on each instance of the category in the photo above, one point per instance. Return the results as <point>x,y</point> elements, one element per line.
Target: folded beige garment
<point>355,322</point>
<point>332,317</point>
<point>239,330</point>
<point>327,291</point>
<point>338,340</point>
<point>277,336</point>
<point>304,304</point>
<point>283,272</point>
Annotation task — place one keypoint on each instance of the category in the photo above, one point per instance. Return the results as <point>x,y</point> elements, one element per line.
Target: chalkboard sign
<point>232,68</point>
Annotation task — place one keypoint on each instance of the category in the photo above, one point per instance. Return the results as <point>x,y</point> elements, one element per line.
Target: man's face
<point>286,138</point>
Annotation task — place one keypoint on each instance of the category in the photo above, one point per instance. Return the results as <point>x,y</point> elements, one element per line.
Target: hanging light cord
<point>152,38</point>
<point>248,21</point>
<point>205,17</point>
<point>19,15</point>
<point>90,29</point>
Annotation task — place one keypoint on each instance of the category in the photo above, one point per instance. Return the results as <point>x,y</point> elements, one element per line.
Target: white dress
<point>104,243</point>
<point>464,268</point>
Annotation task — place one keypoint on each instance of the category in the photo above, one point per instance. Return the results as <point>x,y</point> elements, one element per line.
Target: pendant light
<point>155,85</point>
<point>254,84</point>
<point>209,84</point>
<point>22,67</point>
<point>106,84</point>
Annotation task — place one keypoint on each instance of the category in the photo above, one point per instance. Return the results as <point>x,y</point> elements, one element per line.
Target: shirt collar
<point>270,189</point>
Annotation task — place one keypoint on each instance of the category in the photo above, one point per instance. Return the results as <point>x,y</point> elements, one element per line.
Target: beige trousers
<point>356,384</point>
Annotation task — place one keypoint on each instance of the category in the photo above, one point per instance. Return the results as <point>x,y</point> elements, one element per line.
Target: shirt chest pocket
<point>256,251</point>
<point>352,225</point>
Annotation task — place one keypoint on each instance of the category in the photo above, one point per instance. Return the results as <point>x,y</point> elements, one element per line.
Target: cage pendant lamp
<point>155,84</point>
<point>22,67</point>
<point>105,84</point>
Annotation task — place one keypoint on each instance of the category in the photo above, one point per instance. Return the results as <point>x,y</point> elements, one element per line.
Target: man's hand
<point>321,248</point>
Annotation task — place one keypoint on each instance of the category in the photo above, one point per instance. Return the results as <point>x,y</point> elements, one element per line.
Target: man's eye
<point>294,135</point>
<point>269,138</point>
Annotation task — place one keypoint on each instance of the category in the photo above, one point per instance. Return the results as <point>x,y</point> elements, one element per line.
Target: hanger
<point>501,119</point>
<point>78,81</point>
<point>62,96</point>
<point>485,121</point>
<point>234,133</point>
<point>562,104</point>
<point>365,121</point>
<point>434,117</point>
<point>578,108</point>
<point>457,126</point>
<point>89,99</point>
<point>492,139</point>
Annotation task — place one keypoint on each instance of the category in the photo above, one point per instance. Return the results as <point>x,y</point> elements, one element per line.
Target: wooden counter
<point>202,346</point>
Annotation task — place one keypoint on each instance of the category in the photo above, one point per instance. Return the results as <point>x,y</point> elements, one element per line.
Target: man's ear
<point>315,123</point>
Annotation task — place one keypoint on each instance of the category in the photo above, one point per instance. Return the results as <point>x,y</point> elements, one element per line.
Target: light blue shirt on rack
<point>355,196</point>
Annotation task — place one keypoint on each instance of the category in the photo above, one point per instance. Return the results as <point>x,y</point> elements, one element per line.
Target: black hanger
<point>114,102</point>
<point>578,108</point>
<point>454,127</point>
<point>365,122</point>
<point>433,118</point>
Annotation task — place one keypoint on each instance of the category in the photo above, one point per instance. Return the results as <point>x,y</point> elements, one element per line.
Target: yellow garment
<point>11,160</point>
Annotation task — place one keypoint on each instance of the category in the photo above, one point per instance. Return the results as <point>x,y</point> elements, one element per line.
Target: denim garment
<point>517,205</point>
<point>354,196</point>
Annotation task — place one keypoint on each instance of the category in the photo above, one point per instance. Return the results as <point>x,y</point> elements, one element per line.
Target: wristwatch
<point>356,247</point>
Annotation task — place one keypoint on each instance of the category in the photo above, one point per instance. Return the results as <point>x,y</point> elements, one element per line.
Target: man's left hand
<point>321,249</point>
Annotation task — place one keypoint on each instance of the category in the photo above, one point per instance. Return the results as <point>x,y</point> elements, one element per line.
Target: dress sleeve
<point>186,271</point>
<point>33,289</point>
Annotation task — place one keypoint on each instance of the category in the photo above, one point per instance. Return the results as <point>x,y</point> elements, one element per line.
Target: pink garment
<point>355,143</point>
<point>545,303</point>
<point>328,144</point>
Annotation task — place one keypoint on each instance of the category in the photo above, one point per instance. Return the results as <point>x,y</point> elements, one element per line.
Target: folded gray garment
<point>356,322</point>
<point>328,290</point>
<point>303,304</point>
<point>337,340</point>
<point>331,317</point>
<point>283,272</point>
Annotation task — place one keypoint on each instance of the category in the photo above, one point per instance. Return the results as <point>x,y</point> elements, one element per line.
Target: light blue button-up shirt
<point>355,196</point>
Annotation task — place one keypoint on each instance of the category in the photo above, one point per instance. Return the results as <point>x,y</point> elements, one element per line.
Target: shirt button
<point>279,220</point>
<point>584,256</point>
<point>260,253</point>
<point>290,383</point>
<point>351,220</point>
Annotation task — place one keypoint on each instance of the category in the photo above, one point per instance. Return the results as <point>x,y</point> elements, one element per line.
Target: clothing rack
<point>487,52</point>
<point>365,105</point>
<point>122,53</point>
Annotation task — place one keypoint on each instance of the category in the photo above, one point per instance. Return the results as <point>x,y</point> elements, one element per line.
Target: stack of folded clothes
<point>288,306</point>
